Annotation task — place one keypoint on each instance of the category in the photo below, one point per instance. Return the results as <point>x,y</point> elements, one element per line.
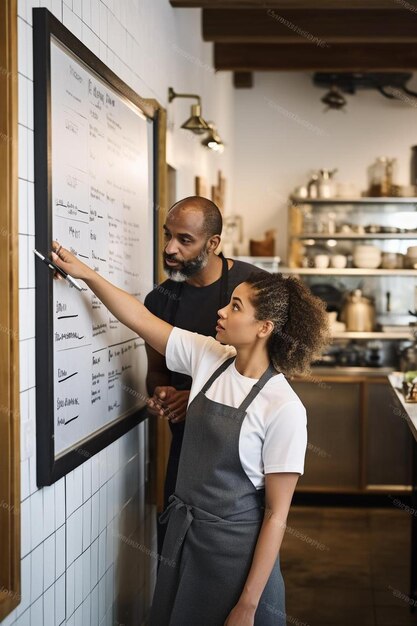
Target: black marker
<point>54,266</point>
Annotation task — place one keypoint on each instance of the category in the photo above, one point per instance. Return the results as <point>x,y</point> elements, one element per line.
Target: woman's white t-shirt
<point>273,436</point>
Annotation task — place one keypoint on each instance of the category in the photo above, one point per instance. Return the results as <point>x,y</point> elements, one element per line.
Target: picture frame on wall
<point>218,191</point>
<point>100,191</point>
<point>200,186</point>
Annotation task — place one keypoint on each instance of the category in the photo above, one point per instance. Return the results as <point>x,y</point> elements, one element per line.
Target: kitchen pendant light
<point>213,141</point>
<point>195,123</point>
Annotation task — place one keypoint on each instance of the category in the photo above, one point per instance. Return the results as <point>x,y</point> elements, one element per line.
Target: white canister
<point>338,261</point>
<point>321,261</point>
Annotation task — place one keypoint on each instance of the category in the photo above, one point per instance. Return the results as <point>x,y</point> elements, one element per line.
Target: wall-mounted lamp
<point>196,124</point>
<point>213,141</point>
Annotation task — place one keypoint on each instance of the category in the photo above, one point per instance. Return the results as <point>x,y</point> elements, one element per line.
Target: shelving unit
<point>357,212</point>
<point>310,227</point>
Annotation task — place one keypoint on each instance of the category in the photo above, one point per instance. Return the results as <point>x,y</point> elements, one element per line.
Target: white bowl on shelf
<point>321,261</point>
<point>363,248</point>
<point>368,257</point>
<point>338,261</point>
<point>369,264</point>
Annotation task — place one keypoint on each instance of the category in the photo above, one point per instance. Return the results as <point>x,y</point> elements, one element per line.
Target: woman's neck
<point>252,361</point>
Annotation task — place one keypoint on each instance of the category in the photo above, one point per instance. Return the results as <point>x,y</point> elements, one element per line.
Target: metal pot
<point>326,186</point>
<point>358,312</point>
<point>330,294</point>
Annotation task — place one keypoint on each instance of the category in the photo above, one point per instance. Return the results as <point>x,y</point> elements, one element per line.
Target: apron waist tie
<point>177,504</point>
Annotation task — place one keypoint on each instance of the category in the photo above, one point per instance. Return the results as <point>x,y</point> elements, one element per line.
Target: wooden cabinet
<point>388,439</point>
<point>333,453</point>
<point>357,438</point>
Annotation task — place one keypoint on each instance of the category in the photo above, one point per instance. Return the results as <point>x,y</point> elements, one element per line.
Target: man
<point>200,283</point>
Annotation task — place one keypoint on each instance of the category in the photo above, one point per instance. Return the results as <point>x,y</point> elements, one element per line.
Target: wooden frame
<point>9,317</point>
<point>49,466</point>
<point>160,435</point>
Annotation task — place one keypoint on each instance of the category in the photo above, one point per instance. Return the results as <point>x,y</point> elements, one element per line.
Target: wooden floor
<point>347,566</point>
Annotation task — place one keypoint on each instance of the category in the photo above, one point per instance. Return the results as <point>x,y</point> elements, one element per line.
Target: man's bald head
<point>212,218</point>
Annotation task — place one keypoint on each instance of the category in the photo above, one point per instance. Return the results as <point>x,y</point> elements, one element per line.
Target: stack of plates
<point>395,328</point>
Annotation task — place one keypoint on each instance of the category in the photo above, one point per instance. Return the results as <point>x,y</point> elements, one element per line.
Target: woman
<point>243,450</point>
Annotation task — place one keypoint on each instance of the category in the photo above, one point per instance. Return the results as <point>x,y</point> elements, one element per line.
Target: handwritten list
<point>102,201</point>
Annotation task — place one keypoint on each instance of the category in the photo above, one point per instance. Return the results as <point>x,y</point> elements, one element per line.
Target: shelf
<point>316,271</point>
<point>349,271</point>
<point>355,236</point>
<point>261,259</point>
<point>351,370</point>
<point>367,200</point>
<point>407,334</point>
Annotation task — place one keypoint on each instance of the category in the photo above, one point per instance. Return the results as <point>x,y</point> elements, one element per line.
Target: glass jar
<point>381,177</point>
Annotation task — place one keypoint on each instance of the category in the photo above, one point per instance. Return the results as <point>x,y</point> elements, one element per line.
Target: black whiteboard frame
<point>49,467</point>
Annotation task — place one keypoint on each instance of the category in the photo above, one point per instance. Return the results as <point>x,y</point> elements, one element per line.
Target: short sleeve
<point>185,350</point>
<point>285,441</point>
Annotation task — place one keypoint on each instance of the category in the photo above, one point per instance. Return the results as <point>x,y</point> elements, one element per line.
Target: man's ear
<point>213,243</point>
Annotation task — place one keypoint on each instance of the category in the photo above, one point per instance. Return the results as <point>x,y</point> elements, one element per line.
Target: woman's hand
<point>69,263</point>
<point>241,615</point>
<point>125,307</point>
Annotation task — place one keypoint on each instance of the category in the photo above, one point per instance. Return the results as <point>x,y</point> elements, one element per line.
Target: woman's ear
<point>266,329</point>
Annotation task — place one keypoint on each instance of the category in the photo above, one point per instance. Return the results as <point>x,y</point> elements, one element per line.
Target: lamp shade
<point>213,141</point>
<point>196,123</point>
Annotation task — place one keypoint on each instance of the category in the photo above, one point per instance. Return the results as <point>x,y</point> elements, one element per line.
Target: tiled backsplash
<point>88,540</point>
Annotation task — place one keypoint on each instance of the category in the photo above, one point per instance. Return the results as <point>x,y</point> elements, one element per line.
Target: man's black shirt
<point>196,308</point>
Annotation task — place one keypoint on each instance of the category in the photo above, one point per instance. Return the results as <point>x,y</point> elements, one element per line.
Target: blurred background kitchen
<point>325,187</point>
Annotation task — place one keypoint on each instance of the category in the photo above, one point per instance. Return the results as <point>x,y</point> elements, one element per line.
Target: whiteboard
<point>101,165</point>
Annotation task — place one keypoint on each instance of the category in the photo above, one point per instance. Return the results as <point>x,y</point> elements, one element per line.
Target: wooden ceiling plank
<point>295,4</point>
<point>339,57</point>
<point>302,26</point>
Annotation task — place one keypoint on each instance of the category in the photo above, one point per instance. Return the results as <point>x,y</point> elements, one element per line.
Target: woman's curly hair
<point>301,329</point>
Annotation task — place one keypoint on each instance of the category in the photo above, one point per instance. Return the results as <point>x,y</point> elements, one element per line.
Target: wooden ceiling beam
<point>302,26</point>
<point>338,57</point>
<point>296,4</point>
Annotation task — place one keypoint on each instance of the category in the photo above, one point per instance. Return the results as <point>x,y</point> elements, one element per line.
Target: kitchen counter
<point>410,409</point>
<point>410,413</point>
<point>339,370</point>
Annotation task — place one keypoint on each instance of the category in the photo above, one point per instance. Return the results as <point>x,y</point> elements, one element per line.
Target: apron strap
<point>224,283</point>
<point>268,373</point>
<point>217,373</point>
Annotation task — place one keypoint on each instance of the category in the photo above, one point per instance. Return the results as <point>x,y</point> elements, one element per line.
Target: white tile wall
<point>70,545</point>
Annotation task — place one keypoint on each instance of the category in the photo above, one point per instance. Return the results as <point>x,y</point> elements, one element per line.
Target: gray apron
<point>215,516</point>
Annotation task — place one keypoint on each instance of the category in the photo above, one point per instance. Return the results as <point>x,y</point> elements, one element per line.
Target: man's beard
<point>187,269</point>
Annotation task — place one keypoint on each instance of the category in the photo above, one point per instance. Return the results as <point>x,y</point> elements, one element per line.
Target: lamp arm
<point>172,95</point>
